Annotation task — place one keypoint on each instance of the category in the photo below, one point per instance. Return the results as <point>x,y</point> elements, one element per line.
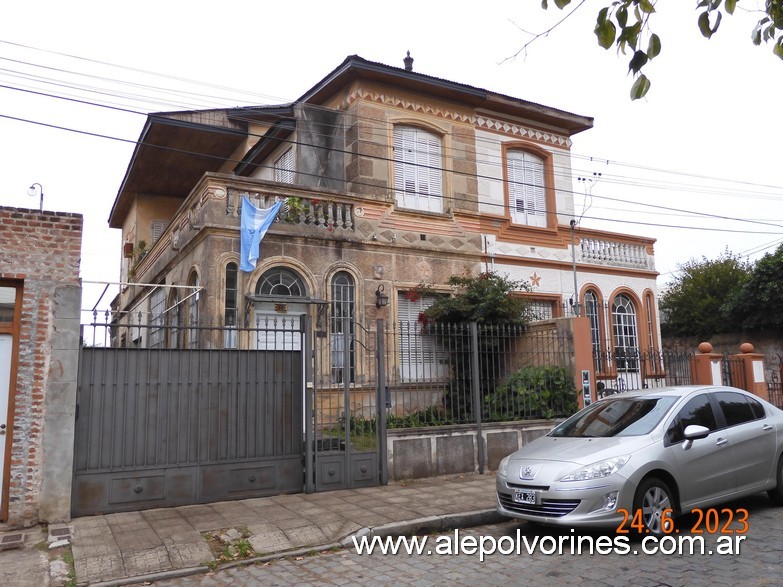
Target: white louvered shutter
<point>527,193</point>
<point>284,167</point>
<point>418,182</point>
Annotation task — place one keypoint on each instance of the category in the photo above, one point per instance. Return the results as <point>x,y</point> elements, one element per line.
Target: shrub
<point>532,392</point>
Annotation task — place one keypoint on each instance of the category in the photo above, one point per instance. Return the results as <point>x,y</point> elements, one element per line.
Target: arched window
<point>526,188</point>
<point>626,334</point>
<point>418,173</point>
<point>594,315</point>
<point>192,332</point>
<point>341,327</point>
<point>231,304</point>
<point>280,281</point>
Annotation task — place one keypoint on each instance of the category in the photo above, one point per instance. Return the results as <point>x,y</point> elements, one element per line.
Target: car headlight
<point>597,470</point>
<point>503,466</point>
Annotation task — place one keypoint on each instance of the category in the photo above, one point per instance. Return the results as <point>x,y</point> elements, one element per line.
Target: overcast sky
<point>706,139</point>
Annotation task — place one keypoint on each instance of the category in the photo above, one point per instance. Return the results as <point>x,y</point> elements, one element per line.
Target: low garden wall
<point>416,453</point>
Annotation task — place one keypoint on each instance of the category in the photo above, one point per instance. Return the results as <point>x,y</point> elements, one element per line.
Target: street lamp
<point>32,192</point>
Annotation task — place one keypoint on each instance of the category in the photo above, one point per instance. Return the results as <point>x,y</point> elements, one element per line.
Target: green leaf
<point>654,46</point>
<point>730,6</point>
<point>755,36</point>
<point>562,3</point>
<point>646,6</point>
<point>704,24</point>
<point>638,61</point>
<point>622,16</point>
<point>778,48</point>
<point>640,87</point>
<point>605,31</point>
<point>602,15</point>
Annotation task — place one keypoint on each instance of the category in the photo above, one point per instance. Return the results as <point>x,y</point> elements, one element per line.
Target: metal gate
<point>346,442</point>
<point>733,371</point>
<point>158,427</point>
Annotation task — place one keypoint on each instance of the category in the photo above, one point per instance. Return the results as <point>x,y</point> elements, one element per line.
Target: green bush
<point>531,393</point>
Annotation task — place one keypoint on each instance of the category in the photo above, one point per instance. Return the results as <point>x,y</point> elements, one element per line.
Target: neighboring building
<point>391,178</point>
<point>40,296</point>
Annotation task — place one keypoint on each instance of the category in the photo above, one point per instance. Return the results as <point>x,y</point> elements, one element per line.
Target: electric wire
<point>694,213</point>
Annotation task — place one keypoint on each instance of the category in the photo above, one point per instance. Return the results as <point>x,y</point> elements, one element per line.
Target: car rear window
<point>619,416</point>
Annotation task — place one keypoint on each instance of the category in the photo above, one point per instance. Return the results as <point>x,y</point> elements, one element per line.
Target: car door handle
<point>721,441</point>
<point>768,427</point>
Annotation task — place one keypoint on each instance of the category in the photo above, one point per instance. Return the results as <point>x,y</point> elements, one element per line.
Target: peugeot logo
<point>528,473</point>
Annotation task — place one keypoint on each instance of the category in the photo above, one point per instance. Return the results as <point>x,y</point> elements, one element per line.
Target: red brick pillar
<point>706,366</point>
<point>753,368</point>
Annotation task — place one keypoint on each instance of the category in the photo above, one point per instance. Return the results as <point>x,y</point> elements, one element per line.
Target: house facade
<point>389,179</point>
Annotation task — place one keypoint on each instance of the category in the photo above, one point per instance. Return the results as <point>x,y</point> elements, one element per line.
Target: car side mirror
<point>694,432</point>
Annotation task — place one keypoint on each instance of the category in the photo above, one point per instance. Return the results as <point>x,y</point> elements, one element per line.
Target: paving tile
<point>151,560</point>
<point>306,536</point>
<point>270,542</point>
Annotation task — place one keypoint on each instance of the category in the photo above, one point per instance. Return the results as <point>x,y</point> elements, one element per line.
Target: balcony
<point>603,251</point>
<point>299,210</point>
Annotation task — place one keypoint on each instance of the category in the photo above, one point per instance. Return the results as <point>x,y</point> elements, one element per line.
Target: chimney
<point>408,62</point>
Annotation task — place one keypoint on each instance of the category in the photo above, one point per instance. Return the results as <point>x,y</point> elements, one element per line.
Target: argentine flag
<point>253,226</point>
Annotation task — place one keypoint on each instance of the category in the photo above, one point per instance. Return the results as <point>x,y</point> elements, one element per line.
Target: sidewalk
<point>126,548</point>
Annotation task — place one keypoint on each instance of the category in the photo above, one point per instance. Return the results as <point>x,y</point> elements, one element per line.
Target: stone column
<point>706,368</point>
<point>753,368</point>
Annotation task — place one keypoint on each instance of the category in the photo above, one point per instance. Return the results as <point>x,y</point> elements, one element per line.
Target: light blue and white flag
<point>253,226</point>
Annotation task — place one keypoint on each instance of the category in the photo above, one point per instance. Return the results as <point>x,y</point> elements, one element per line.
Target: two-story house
<point>390,178</point>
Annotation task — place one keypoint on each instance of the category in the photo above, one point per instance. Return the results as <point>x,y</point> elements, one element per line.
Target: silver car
<point>653,454</point>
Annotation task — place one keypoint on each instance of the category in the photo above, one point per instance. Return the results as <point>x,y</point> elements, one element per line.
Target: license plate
<point>524,496</point>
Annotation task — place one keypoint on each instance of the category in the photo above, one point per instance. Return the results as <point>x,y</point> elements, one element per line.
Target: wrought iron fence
<point>625,369</point>
<point>774,376</point>
<point>440,374</point>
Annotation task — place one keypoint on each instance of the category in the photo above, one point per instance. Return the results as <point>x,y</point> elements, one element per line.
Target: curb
<point>427,525</point>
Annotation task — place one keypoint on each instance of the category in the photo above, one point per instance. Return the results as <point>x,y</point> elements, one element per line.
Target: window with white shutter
<point>526,188</point>
<point>158,227</point>
<point>422,356</point>
<point>418,169</point>
<point>284,167</point>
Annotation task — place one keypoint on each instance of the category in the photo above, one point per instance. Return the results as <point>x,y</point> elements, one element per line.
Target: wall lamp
<point>381,299</point>
<point>32,192</point>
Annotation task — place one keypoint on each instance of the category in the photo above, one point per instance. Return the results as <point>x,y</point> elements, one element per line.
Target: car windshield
<point>619,416</point>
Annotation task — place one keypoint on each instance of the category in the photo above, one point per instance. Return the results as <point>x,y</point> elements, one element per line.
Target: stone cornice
<point>479,121</point>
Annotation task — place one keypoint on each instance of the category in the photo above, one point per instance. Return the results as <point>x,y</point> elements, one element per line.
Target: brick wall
<point>40,251</point>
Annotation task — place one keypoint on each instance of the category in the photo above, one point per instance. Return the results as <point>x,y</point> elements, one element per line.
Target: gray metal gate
<point>346,442</point>
<point>159,427</point>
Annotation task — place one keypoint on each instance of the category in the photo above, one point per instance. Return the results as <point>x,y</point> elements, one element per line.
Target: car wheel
<point>653,497</point>
<point>776,495</point>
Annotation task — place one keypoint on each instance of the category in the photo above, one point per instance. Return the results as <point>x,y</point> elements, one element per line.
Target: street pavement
<point>149,545</point>
<point>758,562</point>
<point>301,539</point>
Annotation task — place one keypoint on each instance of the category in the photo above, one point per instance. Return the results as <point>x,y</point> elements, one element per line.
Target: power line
<point>441,169</point>
<point>634,182</point>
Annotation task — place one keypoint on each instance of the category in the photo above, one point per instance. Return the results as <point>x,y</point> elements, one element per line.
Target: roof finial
<point>408,62</point>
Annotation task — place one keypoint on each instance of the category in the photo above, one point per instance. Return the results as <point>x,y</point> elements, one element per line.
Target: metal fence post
<point>381,399</point>
<point>308,372</point>
<point>476,387</point>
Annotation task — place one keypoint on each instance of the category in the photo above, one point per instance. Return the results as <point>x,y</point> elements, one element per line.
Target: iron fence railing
<point>439,374</point>
<point>625,369</point>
